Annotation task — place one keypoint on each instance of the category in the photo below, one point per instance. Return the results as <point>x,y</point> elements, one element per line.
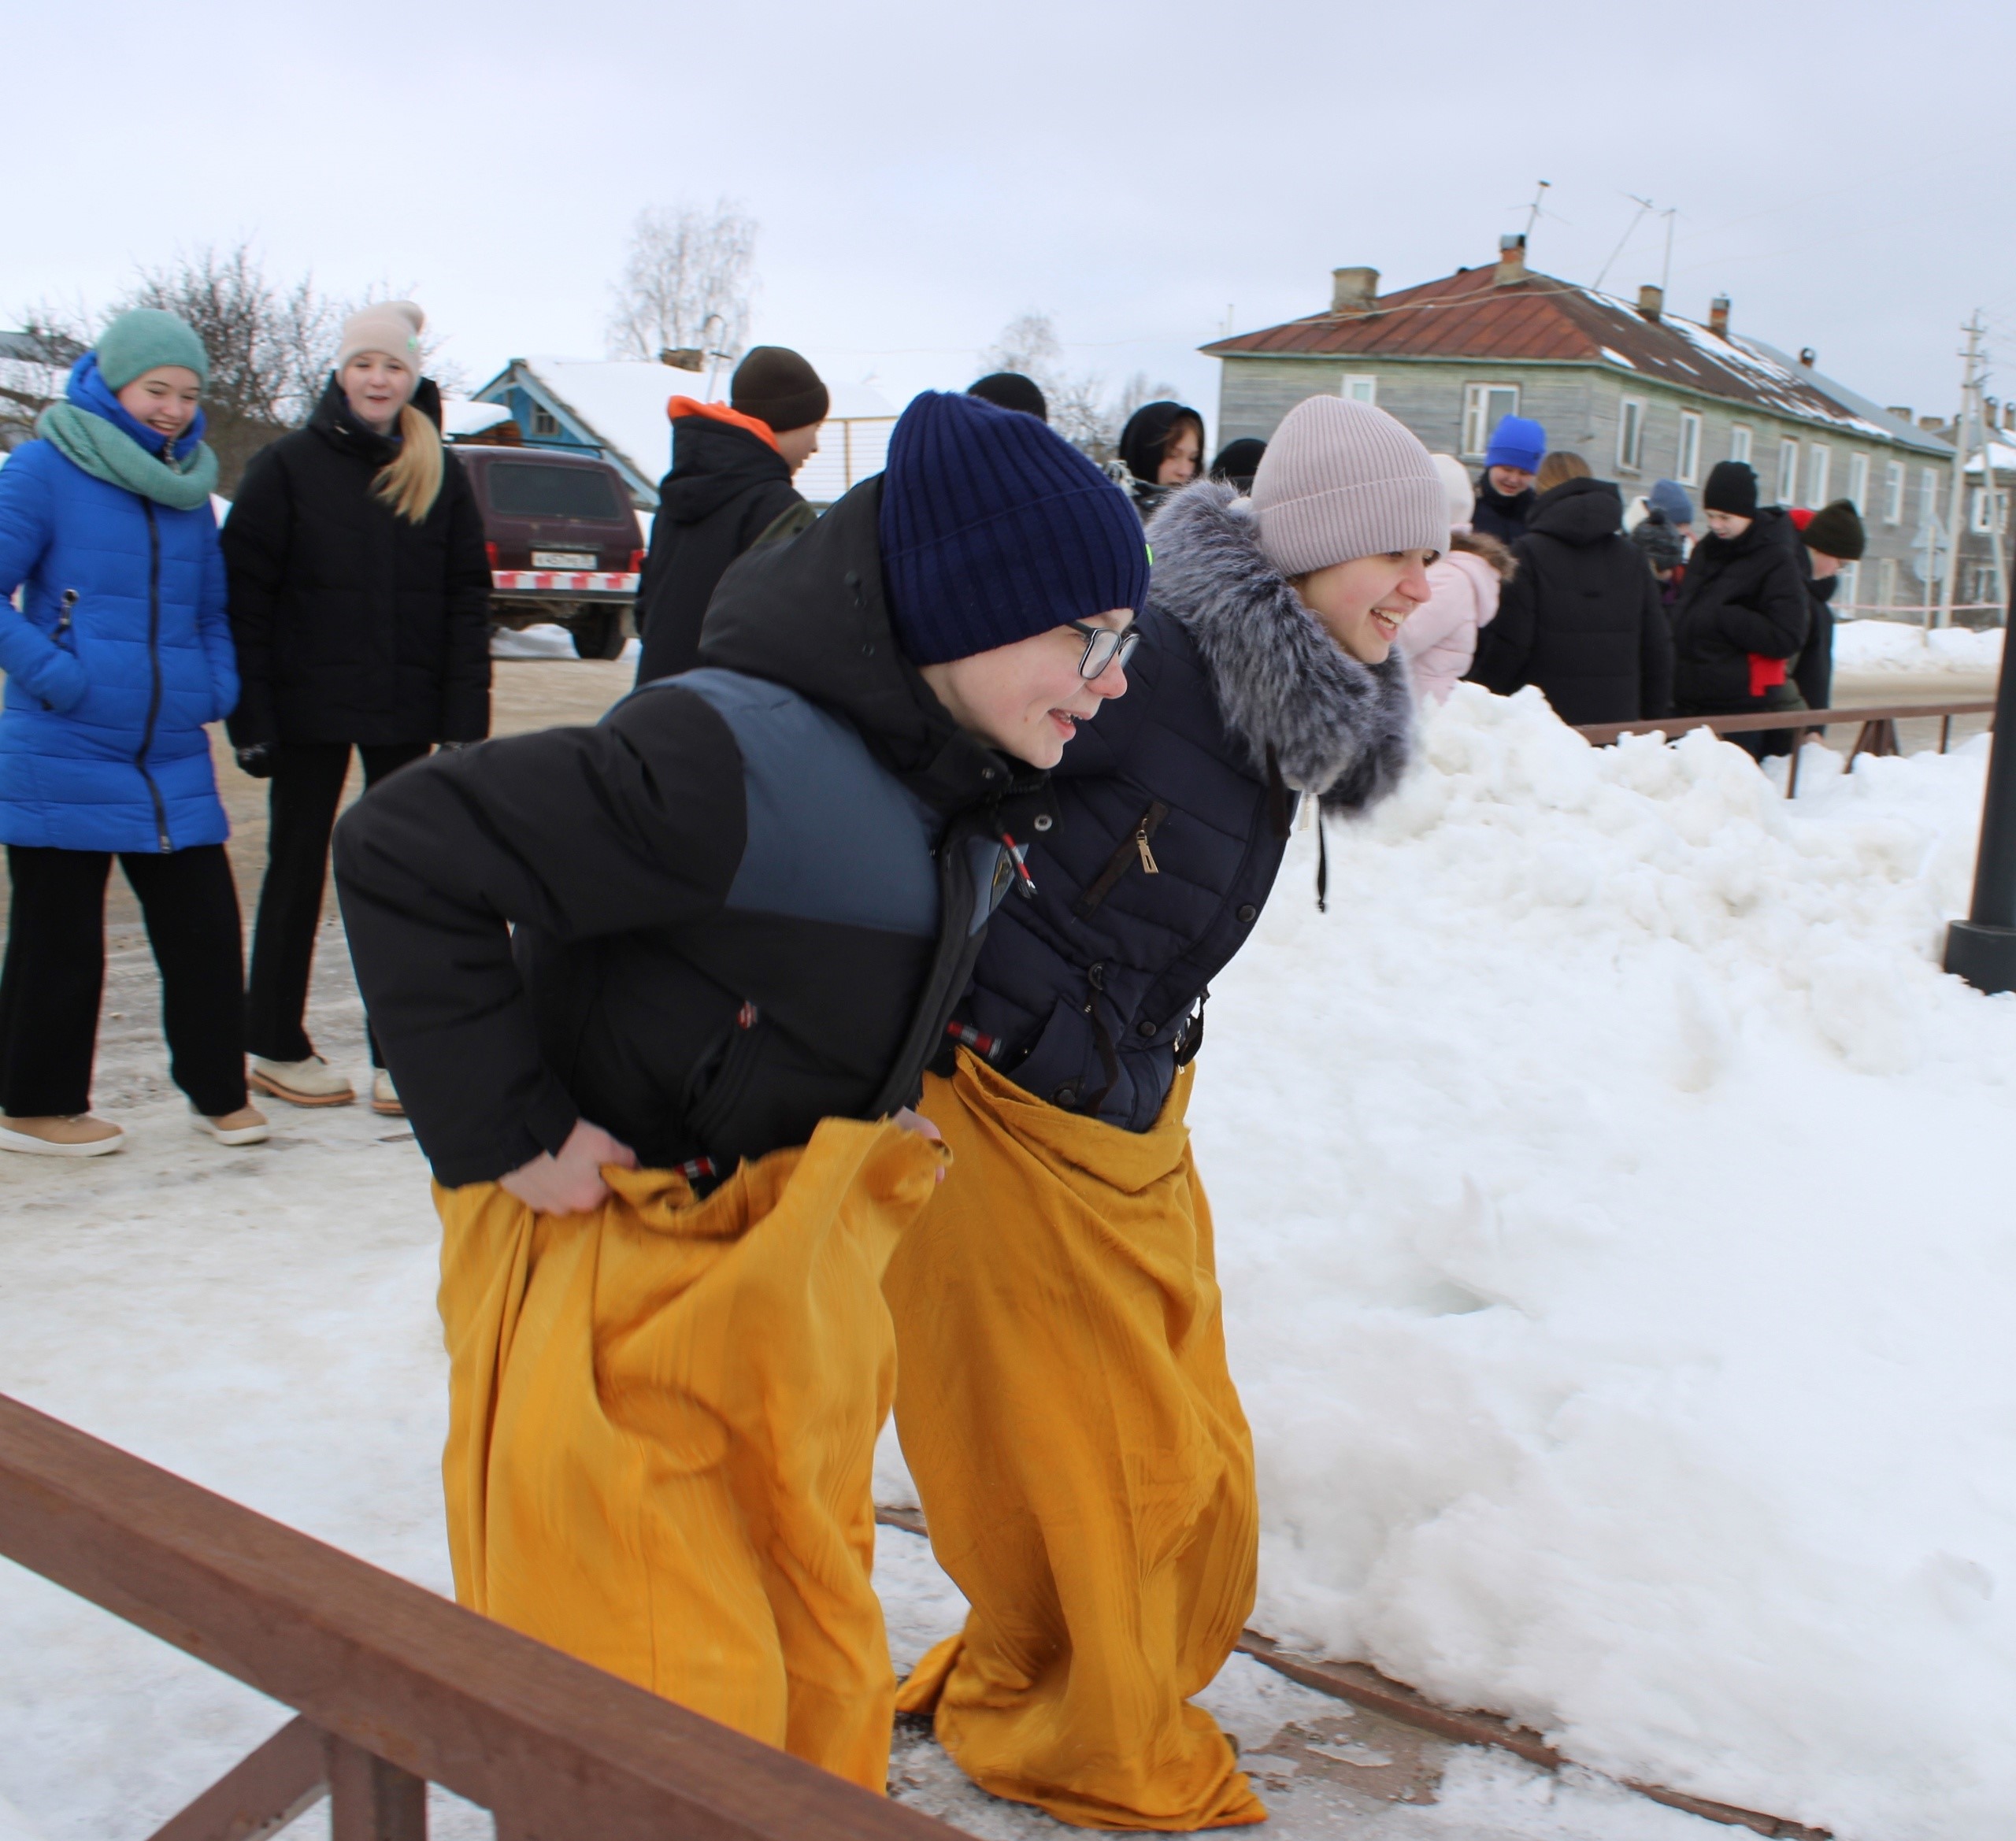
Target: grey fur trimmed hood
<point>1336,727</point>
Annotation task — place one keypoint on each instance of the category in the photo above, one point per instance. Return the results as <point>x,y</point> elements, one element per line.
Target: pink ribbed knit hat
<point>391,327</point>
<point>1341,480</point>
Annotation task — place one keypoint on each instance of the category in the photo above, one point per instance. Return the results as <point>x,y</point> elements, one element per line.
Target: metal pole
<point>1982,948</point>
<point>1973,329</point>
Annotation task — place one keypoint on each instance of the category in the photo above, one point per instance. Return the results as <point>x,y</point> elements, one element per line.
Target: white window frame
<point>1687,466</point>
<point>546,424</point>
<point>1819,474</point>
<point>1630,435</point>
<point>1850,591</point>
<point>1478,420</point>
<point>1893,493</point>
<point>1928,496</point>
<point>1788,493</point>
<point>1886,582</point>
<point>1361,386</point>
<point>1858,484</point>
<point>1740,441</point>
<point>1977,509</point>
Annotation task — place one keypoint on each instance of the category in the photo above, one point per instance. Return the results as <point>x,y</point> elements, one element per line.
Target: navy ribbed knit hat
<point>995,528</point>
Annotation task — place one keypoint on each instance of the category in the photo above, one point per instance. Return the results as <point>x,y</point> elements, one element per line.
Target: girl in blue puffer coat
<point>118,655</point>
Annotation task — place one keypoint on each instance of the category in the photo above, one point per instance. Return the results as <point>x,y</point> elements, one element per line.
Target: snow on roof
<point>460,418</point>
<point>1617,358</point>
<point>1898,429</point>
<point>2001,453</point>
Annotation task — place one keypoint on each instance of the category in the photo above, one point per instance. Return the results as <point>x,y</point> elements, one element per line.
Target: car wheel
<point>599,634</point>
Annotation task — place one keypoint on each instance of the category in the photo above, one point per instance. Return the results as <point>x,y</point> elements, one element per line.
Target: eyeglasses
<point>1103,646</point>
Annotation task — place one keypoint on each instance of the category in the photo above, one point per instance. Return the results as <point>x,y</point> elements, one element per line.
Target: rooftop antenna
<point>1643,205</point>
<point>1533,216</point>
<point>1666,274</point>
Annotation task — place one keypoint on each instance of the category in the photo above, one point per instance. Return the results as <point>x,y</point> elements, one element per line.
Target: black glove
<point>256,761</point>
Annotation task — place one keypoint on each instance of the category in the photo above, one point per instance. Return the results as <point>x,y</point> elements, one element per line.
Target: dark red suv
<point>564,542</point>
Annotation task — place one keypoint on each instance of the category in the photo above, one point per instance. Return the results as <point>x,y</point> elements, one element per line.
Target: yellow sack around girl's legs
<point>1085,1470</point>
<point>662,1426</point>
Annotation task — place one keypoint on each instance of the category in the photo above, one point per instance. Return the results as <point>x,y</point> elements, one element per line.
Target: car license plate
<point>562,559</point>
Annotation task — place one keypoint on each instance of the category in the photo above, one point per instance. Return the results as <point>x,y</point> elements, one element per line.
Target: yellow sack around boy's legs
<point>662,1426</point>
<point>1085,1470</point>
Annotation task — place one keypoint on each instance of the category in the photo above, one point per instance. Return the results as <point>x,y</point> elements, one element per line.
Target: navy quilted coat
<point>118,654</point>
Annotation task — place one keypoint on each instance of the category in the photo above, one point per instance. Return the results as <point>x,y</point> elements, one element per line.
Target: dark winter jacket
<point>745,901</point>
<point>727,487</point>
<point>118,655</point>
<point>353,624</point>
<point>1744,595</point>
<point>1580,617</point>
<point>1814,676</point>
<point>1171,825</point>
<point>1496,515</point>
<point>1142,442</point>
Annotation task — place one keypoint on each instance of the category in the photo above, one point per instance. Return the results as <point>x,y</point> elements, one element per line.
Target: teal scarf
<point>111,455</point>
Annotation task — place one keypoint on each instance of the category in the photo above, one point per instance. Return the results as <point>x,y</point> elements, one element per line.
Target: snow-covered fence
<point>395,1687</point>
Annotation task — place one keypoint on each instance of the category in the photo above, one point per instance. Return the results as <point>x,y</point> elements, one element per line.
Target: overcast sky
<point>922,172</point>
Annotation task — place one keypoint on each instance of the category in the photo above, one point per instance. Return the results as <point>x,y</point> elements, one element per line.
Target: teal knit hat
<point>137,341</point>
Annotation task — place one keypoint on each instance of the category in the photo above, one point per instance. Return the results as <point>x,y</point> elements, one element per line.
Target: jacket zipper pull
<point>1026,883</point>
<point>1147,856</point>
<point>70,607</point>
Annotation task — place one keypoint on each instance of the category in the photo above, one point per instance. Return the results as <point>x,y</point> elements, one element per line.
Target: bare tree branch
<point>687,282</point>
<point>1079,409</point>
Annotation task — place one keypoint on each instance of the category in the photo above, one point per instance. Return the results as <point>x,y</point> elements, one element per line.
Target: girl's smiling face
<point>163,399</point>
<point>1362,604</point>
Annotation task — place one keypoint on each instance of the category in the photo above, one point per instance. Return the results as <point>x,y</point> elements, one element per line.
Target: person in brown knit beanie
<point>732,465</point>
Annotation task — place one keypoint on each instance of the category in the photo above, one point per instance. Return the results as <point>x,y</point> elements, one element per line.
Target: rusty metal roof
<point>1540,320</point>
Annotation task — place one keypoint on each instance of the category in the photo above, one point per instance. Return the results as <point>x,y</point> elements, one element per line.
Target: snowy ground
<point>1892,648</point>
<point>1613,1209</point>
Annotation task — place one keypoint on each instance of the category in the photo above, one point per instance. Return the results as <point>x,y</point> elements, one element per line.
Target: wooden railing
<point>394,1688</point>
<point>1877,735</point>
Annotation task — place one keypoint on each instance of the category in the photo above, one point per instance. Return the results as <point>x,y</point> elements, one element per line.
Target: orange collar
<point>682,406</point>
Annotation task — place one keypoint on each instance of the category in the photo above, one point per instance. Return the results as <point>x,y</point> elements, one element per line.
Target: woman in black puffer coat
<point>360,603</point>
<point>1743,614</point>
<point>1580,617</point>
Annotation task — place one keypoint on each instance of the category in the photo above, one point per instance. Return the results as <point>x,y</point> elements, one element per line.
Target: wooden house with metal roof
<point>1640,393</point>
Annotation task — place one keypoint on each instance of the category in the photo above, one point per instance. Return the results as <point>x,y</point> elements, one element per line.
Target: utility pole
<point>1970,417</point>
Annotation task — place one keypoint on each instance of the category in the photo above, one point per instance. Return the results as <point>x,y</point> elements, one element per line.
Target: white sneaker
<point>247,1125</point>
<point>312,1081</point>
<point>384,1096</point>
<point>77,1135</point>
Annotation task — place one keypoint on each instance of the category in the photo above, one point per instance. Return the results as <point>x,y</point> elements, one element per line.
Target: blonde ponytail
<point>411,482</point>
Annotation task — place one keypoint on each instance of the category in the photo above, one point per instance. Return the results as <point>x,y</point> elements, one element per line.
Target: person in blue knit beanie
<point>1505,489</point>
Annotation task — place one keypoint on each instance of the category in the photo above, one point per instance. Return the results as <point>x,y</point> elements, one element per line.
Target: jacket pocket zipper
<point>1135,849</point>
<point>68,616</point>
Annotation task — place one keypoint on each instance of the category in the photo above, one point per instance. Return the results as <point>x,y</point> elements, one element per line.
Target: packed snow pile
<point>1888,646</point>
<point>547,639</point>
<point>1614,1211</point>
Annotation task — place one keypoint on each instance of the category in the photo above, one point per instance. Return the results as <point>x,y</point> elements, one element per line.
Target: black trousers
<point>307,787</point>
<point>54,976</point>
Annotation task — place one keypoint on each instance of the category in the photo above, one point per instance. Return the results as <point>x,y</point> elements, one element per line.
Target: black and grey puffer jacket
<point>1174,810</point>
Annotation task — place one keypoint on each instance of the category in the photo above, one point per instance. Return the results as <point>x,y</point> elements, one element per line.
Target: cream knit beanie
<point>1341,480</point>
<point>1461,490</point>
<point>390,326</point>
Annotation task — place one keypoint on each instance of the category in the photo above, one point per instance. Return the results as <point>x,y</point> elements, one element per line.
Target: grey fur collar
<point>1339,727</point>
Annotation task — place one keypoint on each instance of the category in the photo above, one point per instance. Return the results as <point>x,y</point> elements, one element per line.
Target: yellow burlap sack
<point>1084,1468</point>
<point>662,1425</point>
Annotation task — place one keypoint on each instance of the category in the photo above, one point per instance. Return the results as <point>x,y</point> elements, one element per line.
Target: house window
<point>1819,464</point>
<point>1740,443</point>
<point>1631,433</point>
<point>544,422</point>
<point>1361,389</point>
<point>1928,497</point>
<point>1688,470</point>
<point>1893,493</point>
<point>1849,594</point>
<point>1484,406</point>
<point>1977,510</point>
<point>1859,482</point>
<point>1886,579</point>
<point>1787,471</point>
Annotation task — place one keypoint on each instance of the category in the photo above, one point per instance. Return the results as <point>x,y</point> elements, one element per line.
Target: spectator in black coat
<point>1162,449</point>
<point>1828,538</point>
<point>1010,390</point>
<point>1505,488</point>
<point>359,606</point>
<point>1580,616</point>
<point>730,484</point>
<point>1238,461</point>
<point>1744,612</point>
